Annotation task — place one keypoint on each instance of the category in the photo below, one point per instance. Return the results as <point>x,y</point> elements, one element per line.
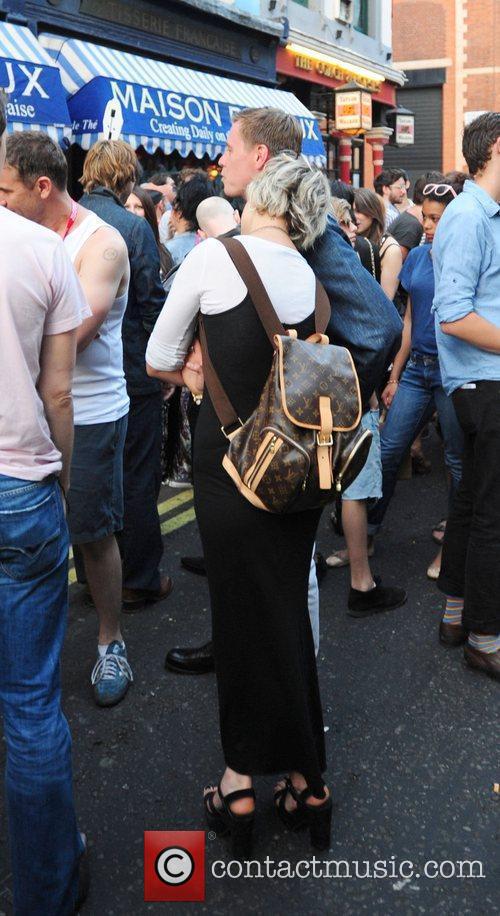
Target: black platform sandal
<point>318,818</point>
<point>224,821</point>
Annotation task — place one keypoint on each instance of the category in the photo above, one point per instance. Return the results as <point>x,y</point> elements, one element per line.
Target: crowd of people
<point>115,311</point>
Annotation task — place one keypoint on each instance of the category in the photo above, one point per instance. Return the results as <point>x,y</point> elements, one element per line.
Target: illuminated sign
<point>328,67</point>
<point>353,111</point>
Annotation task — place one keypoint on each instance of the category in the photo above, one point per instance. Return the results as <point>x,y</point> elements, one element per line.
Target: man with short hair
<point>407,229</point>
<point>41,311</point>
<point>363,318</point>
<point>215,216</point>
<point>466,255</point>
<point>109,173</point>
<point>33,184</point>
<point>390,185</point>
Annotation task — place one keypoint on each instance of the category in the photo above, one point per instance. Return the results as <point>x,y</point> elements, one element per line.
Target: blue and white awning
<point>36,99</point>
<point>150,103</point>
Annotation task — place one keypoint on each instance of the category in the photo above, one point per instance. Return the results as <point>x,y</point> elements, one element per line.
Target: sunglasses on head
<point>440,190</point>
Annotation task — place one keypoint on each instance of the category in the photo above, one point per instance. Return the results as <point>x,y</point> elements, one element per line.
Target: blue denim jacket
<point>363,319</point>
<point>146,295</point>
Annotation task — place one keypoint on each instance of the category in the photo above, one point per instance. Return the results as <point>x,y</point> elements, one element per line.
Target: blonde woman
<point>257,563</point>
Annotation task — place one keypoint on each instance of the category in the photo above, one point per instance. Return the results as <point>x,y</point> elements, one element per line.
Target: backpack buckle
<point>324,440</point>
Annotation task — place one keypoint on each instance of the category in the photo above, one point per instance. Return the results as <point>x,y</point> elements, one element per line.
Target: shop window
<point>360,16</point>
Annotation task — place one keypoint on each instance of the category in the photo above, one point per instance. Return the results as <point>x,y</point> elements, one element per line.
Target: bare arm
<point>400,359</point>
<point>172,378</point>
<point>391,268</point>
<point>103,272</point>
<point>475,330</point>
<point>57,361</point>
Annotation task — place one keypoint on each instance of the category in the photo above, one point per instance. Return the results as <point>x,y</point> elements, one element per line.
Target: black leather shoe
<point>191,661</point>
<point>194,565</point>
<point>452,634</point>
<point>380,598</point>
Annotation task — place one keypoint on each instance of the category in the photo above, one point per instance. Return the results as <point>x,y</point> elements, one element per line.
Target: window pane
<point>360,16</point>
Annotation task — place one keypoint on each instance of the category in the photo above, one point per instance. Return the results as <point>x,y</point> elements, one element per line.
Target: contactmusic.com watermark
<point>174,867</point>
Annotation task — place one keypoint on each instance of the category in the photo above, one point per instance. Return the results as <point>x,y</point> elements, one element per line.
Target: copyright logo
<point>174,865</point>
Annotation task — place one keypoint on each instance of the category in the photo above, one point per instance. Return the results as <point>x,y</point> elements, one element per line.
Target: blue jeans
<point>45,845</point>
<point>418,395</point>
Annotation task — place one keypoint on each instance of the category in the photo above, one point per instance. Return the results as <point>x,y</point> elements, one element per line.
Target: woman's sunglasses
<point>440,190</point>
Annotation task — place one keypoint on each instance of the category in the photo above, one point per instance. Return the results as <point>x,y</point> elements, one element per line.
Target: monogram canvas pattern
<point>291,481</point>
<point>329,371</point>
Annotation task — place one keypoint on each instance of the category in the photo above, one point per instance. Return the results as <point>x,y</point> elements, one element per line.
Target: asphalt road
<point>412,738</point>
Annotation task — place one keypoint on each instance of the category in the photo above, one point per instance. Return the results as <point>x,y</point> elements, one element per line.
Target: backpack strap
<point>225,411</point>
<point>257,291</point>
<point>222,405</point>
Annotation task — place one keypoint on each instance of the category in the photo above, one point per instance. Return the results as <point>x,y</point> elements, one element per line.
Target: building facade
<point>450,53</point>
<point>165,76</point>
<point>326,45</point>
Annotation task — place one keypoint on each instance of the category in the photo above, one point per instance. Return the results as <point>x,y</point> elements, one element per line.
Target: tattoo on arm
<point>110,254</point>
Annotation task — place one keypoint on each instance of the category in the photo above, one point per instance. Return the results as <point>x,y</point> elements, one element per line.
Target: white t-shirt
<point>208,281</point>
<point>39,295</point>
<point>99,387</point>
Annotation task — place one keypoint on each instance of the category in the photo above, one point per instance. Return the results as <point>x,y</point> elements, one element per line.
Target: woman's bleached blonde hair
<point>289,188</point>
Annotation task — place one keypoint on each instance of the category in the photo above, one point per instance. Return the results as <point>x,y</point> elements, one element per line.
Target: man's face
<point>397,191</point>
<point>240,162</point>
<point>18,197</point>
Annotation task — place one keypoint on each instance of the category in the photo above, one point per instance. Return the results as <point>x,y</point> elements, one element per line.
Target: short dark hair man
<point>390,185</point>
<point>466,256</point>
<point>41,310</point>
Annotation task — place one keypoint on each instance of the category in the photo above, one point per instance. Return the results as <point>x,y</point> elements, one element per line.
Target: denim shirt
<point>363,319</point>
<point>466,256</point>
<point>180,246</point>
<point>146,295</point>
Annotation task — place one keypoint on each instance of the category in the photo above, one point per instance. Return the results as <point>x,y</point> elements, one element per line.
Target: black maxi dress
<point>258,569</point>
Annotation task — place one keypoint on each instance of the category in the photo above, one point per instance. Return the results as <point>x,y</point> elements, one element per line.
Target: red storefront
<point>313,76</point>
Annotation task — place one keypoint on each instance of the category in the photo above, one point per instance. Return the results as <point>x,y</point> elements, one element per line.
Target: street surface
<point>413,742</point>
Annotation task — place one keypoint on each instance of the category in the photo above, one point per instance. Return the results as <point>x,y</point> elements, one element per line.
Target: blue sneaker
<point>112,675</point>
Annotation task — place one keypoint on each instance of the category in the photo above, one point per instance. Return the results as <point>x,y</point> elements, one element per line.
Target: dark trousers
<point>470,566</point>
<point>140,541</point>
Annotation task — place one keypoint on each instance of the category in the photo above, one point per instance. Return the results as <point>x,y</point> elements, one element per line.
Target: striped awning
<point>36,99</point>
<point>154,104</point>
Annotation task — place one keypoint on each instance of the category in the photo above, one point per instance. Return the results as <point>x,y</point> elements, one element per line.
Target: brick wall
<point>428,30</point>
<point>419,29</point>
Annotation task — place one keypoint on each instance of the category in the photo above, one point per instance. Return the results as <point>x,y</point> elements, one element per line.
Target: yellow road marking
<point>178,500</point>
<point>177,521</point>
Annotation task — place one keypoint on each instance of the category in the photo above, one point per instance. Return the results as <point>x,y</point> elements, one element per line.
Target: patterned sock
<point>453,610</point>
<point>486,644</point>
